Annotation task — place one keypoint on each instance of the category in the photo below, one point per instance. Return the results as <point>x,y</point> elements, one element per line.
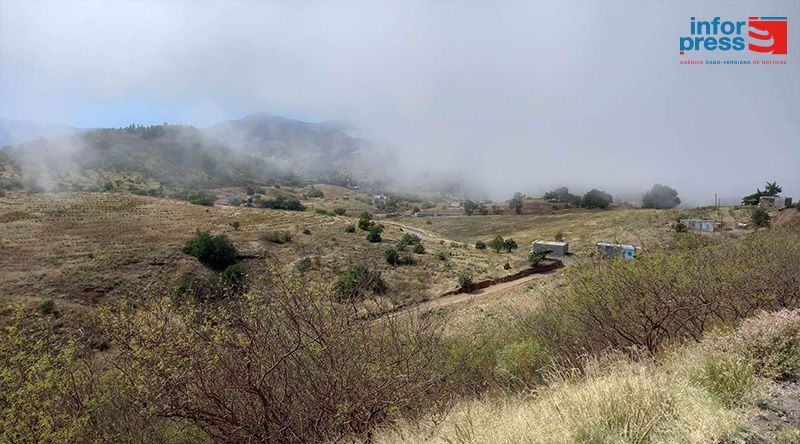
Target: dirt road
<point>487,292</point>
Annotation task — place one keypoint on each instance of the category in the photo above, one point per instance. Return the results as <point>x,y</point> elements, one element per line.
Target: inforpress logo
<point>757,34</point>
<point>768,34</point>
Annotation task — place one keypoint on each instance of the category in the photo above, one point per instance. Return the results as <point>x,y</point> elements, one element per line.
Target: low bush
<point>277,237</point>
<point>350,229</point>
<point>465,281</point>
<point>356,281</point>
<point>374,233</point>
<point>216,252</point>
<point>521,363</point>
<point>314,192</point>
<point>233,278</point>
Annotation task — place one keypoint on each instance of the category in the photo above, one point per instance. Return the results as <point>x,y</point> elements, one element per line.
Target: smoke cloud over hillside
<point>500,97</point>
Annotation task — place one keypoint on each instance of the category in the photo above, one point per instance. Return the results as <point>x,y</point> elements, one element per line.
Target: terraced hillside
<point>88,246</point>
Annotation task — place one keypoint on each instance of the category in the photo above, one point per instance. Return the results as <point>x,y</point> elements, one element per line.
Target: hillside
<point>162,154</point>
<point>86,247</point>
<point>312,149</point>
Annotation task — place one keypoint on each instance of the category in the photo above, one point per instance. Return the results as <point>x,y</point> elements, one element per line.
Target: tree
<point>596,199</point>
<point>216,252</point>
<point>660,196</point>
<point>509,244</point>
<point>760,217</point>
<point>772,189</point>
<point>470,207</point>
<point>282,203</point>
<point>515,203</point>
<point>559,194</point>
<point>562,194</point>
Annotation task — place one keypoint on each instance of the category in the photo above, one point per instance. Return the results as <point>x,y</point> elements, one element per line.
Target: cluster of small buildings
<point>604,249</point>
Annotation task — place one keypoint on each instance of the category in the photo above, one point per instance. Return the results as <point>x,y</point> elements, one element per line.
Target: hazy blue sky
<point>512,96</point>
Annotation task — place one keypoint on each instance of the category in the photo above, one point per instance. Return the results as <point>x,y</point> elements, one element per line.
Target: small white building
<point>776,202</point>
<point>559,248</point>
<point>611,251</point>
<point>698,223</point>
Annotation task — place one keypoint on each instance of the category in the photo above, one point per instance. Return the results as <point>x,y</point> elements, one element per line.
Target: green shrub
<point>339,211</point>
<point>314,192</point>
<point>356,281</point>
<point>233,277</point>
<point>47,307</point>
<point>419,248</point>
<point>441,256</point>
<point>506,266</point>
<point>680,227</point>
<point>392,256</point>
<point>374,233</point>
<point>408,239</point>
<point>306,231</point>
<point>498,244</point>
<point>236,225</point>
<point>465,281</point>
<point>350,229</point>
<point>760,217</point>
<point>277,237</point>
<point>216,252</point>
<point>480,245</point>
<point>559,237</point>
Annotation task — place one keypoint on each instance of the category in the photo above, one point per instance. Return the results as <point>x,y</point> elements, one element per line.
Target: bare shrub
<point>283,363</point>
<point>665,296</point>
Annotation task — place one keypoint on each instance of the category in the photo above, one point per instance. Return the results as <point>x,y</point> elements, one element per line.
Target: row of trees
<point>593,199</point>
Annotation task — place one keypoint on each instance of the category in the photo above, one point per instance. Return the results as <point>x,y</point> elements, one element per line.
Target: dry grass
<point>694,394</point>
<point>86,246</point>
<point>581,228</point>
<point>631,403</point>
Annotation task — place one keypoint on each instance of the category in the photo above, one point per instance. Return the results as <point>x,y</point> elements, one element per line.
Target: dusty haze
<point>503,96</point>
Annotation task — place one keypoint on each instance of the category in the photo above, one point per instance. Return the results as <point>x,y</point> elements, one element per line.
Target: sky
<point>517,96</point>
